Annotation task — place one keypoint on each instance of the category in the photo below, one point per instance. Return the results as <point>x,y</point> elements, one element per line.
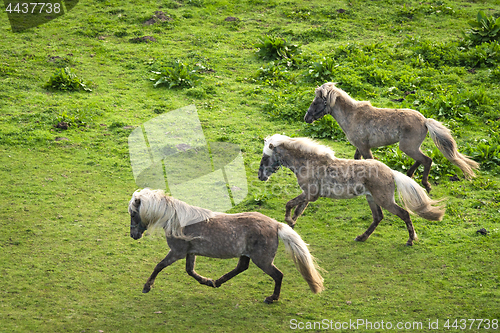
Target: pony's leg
<point>366,152</point>
<point>413,150</point>
<point>377,217</point>
<point>190,262</point>
<point>405,216</point>
<point>413,168</point>
<point>300,201</point>
<point>357,154</point>
<point>298,211</point>
<point>168,260</point>
<point>277,276</point>
<point>242,266</point>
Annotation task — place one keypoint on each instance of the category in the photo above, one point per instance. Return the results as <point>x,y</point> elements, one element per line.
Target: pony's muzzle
<point>308,119</point>
<point>262,175</point>
<point>135,234</point>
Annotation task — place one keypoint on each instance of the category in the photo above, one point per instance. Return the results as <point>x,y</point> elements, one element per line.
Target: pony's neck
<point>344,109</point>
<point>293,160</point>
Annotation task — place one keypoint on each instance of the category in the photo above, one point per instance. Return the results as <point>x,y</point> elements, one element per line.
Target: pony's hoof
<point>146,289</point>
<point>268,300</point>
<point>408,244</point>
<point>359,239</point>
<point>211,283</point>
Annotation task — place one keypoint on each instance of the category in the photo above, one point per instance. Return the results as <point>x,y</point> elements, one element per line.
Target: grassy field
<point>68,263</point>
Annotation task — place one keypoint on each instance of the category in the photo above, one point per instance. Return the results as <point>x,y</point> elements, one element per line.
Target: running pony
<point>193,231</point>
<point>368,127</point>
<point>320,174</point>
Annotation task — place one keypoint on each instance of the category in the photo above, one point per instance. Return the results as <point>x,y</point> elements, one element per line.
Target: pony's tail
<point>303,260</point>
<point>415,198</point>
<point>444,141</point>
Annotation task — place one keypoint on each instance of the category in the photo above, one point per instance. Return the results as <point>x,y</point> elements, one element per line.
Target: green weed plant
<point>177,74</point>
<point>483,30</point>
<point>65,79</point>
<point>274,47</point>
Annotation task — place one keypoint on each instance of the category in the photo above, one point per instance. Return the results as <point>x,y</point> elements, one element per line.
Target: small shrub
<point>289,107</point>
<point>197,92</point>
<point>177,75</point>
<point>450,102</point>
<point>484,29</point>
<point>437,9</point>
<point>317,34</point>
<point>322,70</point>
<point>117,124</point>
<point>324,128</point>
<point>495,74</point>
<point>171,4</point>
<point>275,75</point>
<point>394,158</point>
<point>484,55</point>
<point>300,14</point>
<point>435,54</point>
<point>195,3</point>
<point>66,80</point>
<point>272,48</point>
<point>405,13</point>
<point>484,152</point>
<point>77,118</point>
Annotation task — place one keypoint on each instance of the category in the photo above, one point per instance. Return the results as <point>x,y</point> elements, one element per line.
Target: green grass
<point>68,263</point>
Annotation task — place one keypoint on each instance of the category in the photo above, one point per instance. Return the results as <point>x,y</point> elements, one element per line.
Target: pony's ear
<point>137,201</point>
<point>271,146</point>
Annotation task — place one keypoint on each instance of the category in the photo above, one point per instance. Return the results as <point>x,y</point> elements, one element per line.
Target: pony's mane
<point>158,210</point>
<point>305,145</point>
<point>331,92</point>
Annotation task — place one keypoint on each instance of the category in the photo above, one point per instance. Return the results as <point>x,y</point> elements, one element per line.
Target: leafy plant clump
<point>66,80</point>
<point>322,70</point>
<point>325,128</point>
<point>394,158</point>
<point>483,30</point>
<point>273,48</point>
<point>81,117</point>
<point>485,152</point>
<point>288,106</point>
<point>178,74</point>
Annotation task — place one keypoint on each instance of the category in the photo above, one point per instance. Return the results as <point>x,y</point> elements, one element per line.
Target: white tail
<point>304,261</point>
<point>415,198</point>
<point>448,147</point>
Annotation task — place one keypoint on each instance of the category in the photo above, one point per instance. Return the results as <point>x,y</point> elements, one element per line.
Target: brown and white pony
<point>366,127</point>
<point>320,174</point>
<point>192,231</point>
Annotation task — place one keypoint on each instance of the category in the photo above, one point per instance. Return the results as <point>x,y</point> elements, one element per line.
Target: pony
<point>192,231</point>
<point>320,174</point>
<point>369,127</point>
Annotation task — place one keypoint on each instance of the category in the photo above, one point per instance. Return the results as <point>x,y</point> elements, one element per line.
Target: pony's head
<point>137,227</point>
<point>324,99</point>
<point>153,209</point>
<point>270,161</point>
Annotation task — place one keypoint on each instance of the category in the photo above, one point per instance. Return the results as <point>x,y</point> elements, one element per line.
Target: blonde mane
<point>330,92</point>
<point>158,210</point>
<point>305,145</point>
